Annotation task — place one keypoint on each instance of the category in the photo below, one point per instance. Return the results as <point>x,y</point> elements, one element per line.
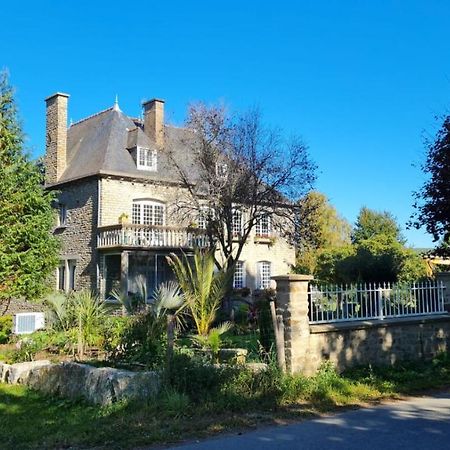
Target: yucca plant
<point>202,286</point>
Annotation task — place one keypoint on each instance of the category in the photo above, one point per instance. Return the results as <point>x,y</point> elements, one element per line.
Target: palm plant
<point>167,297</point>
<point>89,312</point>
<point>213,340</point>
<point>131,304</point>
<point>60,314</point>
<point>202,286</point>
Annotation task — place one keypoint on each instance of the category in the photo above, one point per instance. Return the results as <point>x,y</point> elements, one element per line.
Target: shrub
<point>6,324</point>
<point>141,339</point>
<point>173,403</point>
<point>196,377</point>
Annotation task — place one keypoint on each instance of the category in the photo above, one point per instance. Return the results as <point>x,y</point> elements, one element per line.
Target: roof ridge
<point>92,115</point>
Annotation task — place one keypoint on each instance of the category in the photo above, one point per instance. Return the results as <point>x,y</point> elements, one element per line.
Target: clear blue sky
<point>359,80</point>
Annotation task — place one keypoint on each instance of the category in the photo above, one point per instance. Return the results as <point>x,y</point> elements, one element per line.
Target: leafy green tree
<point>28,251</point>
<point>372,223</point>
<point>377,254</point>
<point>432,201</point>
<point>320,230</point>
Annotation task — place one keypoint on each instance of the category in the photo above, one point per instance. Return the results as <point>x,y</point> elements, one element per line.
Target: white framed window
<point>146,159</point>
<point>222,169</point>
<point>148,212</point>
<point>264,226</point>
<point>239,275</point>
<point>61,276</point>
<point>264,273</point>
<point>205,215</point>
<point>236,226</point>
<point>65,275</point>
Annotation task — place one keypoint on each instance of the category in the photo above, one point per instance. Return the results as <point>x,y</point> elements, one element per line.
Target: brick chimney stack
<point>154,121</point>
<point>56,137</point>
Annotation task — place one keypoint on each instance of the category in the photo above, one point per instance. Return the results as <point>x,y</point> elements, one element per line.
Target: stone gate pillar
<point>292,305</point>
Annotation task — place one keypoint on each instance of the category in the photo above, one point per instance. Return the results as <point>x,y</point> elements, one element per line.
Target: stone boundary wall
<point>377,342</point>
<point>75,381</point>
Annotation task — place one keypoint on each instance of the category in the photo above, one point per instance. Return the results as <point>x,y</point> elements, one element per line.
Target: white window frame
<point>222,170</point>
<point>263,275</point>
<point>67,268</point>
<point>264,226</point>
<point>62,215</point>
<point>146,159</point>
<point>239,275</point>
<point>237,227</point>
<point>143,207</point>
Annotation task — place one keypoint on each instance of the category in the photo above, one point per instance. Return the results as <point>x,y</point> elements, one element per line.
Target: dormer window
<point>146,159</point>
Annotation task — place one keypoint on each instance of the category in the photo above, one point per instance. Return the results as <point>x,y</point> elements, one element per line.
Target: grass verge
<point>229,400</point>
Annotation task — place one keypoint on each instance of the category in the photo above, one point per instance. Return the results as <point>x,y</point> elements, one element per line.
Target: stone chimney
<point>154,121</point>
<point>56,137</point>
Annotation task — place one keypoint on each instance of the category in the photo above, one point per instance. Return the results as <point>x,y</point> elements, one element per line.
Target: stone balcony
<point>149,237</point>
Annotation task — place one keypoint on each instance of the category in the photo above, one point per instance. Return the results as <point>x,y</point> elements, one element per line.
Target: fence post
<point>444,278</point>
<point>292,305</point>
<point>380,303</point>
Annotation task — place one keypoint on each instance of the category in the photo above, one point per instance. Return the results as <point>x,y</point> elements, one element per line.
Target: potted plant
<point>124,218</point>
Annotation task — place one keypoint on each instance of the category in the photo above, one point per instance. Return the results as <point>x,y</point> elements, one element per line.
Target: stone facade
<point>154,121</point>
<point>79,234</point>
<point>95,189</point>
<point>116,198</point>
<point>352,343</point>
<point>56,137</point>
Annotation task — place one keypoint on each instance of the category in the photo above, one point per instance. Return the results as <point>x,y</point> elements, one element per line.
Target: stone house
<point>117,191</point>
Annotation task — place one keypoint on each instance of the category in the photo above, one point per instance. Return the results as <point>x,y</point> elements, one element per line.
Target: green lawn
<point>30,420</point>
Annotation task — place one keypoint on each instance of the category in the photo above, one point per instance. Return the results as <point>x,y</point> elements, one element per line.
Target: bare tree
<point>241,172</point>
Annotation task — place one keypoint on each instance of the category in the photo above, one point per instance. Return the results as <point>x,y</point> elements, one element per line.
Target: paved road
<point>419,423</point>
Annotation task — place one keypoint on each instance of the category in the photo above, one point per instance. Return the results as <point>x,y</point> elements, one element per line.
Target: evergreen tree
<point>28,251</point>
<point>372,223</point>
<point>433,199</point>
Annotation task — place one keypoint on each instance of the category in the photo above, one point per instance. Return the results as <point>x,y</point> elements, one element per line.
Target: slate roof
<point>100,144</point>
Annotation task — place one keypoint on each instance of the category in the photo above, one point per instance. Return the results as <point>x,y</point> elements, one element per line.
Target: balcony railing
<point>150,236</point>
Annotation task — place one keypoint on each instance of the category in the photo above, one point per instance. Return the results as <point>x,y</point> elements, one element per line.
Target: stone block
<point>95,385</point>
<point>20,373</point>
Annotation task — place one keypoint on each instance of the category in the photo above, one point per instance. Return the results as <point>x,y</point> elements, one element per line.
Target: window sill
<point>263,239</point>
